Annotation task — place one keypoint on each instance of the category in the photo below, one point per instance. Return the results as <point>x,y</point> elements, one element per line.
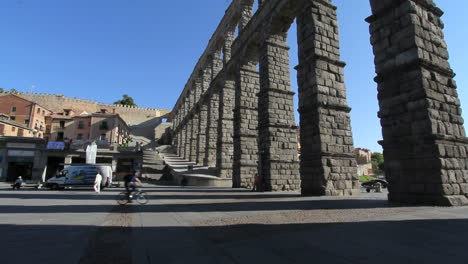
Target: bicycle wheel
<point>141,198</point>
<point>122,199</point>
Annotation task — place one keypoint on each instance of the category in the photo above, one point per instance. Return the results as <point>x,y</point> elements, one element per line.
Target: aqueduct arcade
<point>236,112</point>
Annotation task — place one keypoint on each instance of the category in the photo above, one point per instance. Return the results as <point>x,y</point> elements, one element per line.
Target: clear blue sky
<point>101,49</point>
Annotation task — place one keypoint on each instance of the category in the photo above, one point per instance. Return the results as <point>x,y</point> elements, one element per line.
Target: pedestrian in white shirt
<point>97,182</point>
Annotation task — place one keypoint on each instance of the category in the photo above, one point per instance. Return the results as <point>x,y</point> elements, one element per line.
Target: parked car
<point>80,175</point>
<point>375,185</point>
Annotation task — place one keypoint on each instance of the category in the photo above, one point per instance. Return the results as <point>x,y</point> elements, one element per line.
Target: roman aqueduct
<point>236,111</point>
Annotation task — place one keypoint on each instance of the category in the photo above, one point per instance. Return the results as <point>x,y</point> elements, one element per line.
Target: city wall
<point>57,102</point>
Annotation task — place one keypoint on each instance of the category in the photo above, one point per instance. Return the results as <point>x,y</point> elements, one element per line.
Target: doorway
<point>23,169</point>
<point>54,165</point>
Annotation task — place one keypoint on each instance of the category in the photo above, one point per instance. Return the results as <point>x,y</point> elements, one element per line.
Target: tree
<point>1,90</point>
<point>127,100</point>
<point>377,162</point>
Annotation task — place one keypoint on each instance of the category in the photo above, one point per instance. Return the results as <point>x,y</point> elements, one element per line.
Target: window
<point>12,118</point>
<point>13,129</point>
<point>43,112</point>
<point>103,137</point>
<point>13,108</point>
<point>67,112</point>
<point>26,122</point>
<point>62,124</point>
<point>38,110</point>
<point>79,137</point>
<point>80,124</point>
<point>104,125</point>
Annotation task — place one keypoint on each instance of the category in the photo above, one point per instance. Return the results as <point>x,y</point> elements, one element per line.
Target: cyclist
<point>130,184</point>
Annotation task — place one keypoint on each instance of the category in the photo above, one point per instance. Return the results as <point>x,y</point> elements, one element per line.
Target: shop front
<point>21,157</point>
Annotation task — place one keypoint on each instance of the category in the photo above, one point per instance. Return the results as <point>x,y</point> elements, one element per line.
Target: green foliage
<point>1,90</point>
<point>378,163</point>
<point>127,100</point>
<point>13,91</point>
<point>366,178</point>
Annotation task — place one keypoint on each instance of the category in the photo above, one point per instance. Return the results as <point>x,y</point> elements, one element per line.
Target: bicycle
<point>138,195</point>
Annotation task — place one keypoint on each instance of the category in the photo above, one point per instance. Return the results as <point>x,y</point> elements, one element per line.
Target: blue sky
<point>101,49</point>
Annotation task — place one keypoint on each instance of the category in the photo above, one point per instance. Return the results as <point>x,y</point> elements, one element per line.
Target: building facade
<point>363,158</point>
<point>101,127</point>
<point>11,129</point>
<point>67,135</point>
<point>25,113</point>
<point>21,156</point>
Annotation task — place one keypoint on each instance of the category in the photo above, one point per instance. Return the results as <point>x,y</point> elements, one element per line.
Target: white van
<point>80,175</point>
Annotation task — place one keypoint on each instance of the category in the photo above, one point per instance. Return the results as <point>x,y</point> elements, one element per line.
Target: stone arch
<point>419,106</point>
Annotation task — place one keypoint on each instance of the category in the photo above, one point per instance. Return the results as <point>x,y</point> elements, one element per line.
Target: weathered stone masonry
<point>328,166</point>
<point>279,163</point>
<point>244,117</point>
<point>424,140</point>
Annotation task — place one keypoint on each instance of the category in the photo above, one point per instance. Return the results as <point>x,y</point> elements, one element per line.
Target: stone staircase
<point>153,165</point>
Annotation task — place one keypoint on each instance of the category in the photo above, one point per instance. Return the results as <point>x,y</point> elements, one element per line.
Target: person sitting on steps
<point>18,183</point>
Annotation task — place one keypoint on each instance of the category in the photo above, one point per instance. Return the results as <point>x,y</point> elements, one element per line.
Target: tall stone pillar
<point>188,138</point>
<point>228,40</point>
<point>217,64</point>
<point>328,165</point>
<point>181,148</point>
<point>245,13</point>
<point>207,77</point>
<point>245,126</point>
<point>177,132</point>
<point>197,90</point>
<point>202,125</point>
<point>224,147</point>
<point>424,141</point>
<point>279,162</point>
<point>212,130</point>
<point>189,125</point>
<point>175,141</point>
<point>194,137</point>
<point>183,131</point>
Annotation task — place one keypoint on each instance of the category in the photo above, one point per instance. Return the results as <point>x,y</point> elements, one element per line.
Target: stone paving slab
<point>235,226</point>
<point>223,225</point>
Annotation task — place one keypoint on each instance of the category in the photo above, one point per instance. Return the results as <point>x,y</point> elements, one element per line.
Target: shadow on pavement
<point>266,205</point>
<point>410,241</point>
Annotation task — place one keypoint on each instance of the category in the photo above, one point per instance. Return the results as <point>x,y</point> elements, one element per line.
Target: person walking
<point>256,185</point>
<point>97,182</point>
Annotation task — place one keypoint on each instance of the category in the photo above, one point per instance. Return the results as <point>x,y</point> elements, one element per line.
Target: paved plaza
<point>223,225</point>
